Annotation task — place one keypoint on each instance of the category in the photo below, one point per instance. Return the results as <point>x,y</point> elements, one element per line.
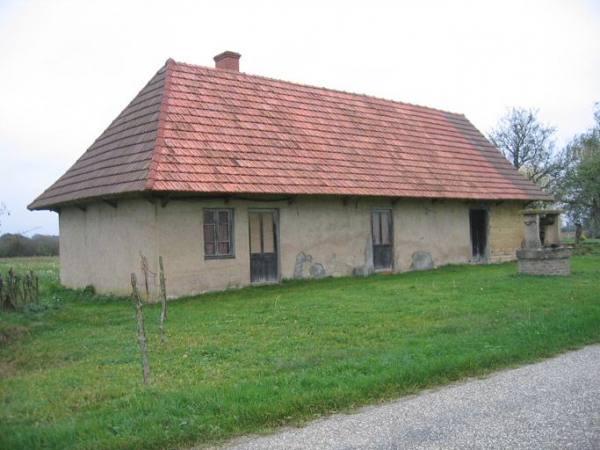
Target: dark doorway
<point>381,221</point>
<point>479,230</point>
<point>263,246</point>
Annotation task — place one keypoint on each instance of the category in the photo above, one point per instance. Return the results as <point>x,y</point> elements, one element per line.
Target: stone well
<point>547,257</point>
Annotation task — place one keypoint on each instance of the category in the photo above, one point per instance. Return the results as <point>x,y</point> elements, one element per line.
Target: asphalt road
<point>551,405</point>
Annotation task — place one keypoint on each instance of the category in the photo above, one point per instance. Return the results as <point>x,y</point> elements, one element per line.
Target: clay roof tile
<point>200,130</point>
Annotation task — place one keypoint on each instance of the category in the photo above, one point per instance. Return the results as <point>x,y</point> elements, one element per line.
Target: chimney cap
<point>227,54</point>
<point>228,61</point>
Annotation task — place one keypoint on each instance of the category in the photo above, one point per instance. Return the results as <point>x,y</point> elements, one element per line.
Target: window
<point>218,237</point>
<point>381,223</point>
<point>381,227</point>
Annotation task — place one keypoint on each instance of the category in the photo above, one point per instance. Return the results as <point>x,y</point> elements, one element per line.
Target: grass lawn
<point>250,360</point>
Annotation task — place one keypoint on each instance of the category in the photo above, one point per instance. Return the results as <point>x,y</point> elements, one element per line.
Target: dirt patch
<point>8,335</point>
<point>11,333</point>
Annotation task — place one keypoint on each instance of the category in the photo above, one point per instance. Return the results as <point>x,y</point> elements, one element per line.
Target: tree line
<point>570,174</point>
<point>12,245</point>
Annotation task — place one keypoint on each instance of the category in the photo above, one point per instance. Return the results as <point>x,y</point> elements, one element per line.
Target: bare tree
<point>3,210</point>
<point>529,145</point>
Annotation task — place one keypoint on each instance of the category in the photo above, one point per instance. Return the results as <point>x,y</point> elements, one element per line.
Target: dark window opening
<point>544,222</point>
<point>479,234</point>
<point>218,242</point>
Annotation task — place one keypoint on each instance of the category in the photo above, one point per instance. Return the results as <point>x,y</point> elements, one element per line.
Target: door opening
<point>381,225</point>
<point>263,246</point>
<point>478,219</point>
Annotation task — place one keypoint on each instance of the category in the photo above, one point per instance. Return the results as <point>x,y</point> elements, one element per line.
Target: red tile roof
<point>200,130</point>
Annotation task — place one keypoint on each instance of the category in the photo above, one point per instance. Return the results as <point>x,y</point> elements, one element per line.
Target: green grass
<point>588,247</point>
<point>588,241</point>
<point>251,360</point>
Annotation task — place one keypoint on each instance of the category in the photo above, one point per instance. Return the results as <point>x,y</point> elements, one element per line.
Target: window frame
<point>390,226</point>
<point>231,228</point>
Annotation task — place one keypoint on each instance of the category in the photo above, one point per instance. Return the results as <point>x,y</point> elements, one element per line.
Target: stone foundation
<point>544,261</point>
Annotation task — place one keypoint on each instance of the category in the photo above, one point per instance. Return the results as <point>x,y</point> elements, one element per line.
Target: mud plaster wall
<point>101,246</point>
<point>505,231</point>
<point>332,234</point>
<point>181,243</point>
<point>440,228</point>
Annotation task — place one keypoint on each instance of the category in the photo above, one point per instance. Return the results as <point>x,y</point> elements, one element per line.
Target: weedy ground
<point>589,247</point>
<point>255,359</point>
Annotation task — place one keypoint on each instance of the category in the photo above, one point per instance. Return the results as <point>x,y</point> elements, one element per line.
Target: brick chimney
<point>228,61</point>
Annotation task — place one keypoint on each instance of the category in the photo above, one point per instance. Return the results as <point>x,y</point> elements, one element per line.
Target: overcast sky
<point>68,68</point>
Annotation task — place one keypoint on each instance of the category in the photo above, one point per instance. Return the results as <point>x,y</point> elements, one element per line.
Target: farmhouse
<point>236,179</point>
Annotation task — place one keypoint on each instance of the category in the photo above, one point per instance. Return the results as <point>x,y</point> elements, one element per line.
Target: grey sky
<point>68,67</point>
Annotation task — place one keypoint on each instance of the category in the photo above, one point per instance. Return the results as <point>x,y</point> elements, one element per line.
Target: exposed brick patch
<point>545,261</point>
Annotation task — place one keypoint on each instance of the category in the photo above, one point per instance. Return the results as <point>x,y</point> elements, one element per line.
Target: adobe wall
<point>505,231</point>
<point>181,244</point>
<point>318,236</point>
<point>101,245</point>
<point>440,228</point>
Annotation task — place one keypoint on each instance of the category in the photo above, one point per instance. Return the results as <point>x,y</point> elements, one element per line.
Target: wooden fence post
<point>163,298</point>
<point>141,331</point>
<point>145,270</point>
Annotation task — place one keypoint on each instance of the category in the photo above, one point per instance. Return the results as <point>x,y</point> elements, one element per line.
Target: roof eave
<point>148,194</point>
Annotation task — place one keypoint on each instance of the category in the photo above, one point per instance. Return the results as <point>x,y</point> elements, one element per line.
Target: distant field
<point>252,360</point>
<point>48,264</point>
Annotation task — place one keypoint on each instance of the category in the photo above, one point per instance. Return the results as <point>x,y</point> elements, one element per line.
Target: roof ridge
<point>160,126</point>
<point>310,86</point>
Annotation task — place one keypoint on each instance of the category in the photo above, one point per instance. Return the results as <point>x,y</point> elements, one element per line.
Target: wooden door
<point>264,261</point>
<point>381,222</point>
<point>478,222</point>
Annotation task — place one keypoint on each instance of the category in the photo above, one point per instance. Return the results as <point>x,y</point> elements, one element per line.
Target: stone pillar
<point>552,235</point>
<point>531,239</point>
